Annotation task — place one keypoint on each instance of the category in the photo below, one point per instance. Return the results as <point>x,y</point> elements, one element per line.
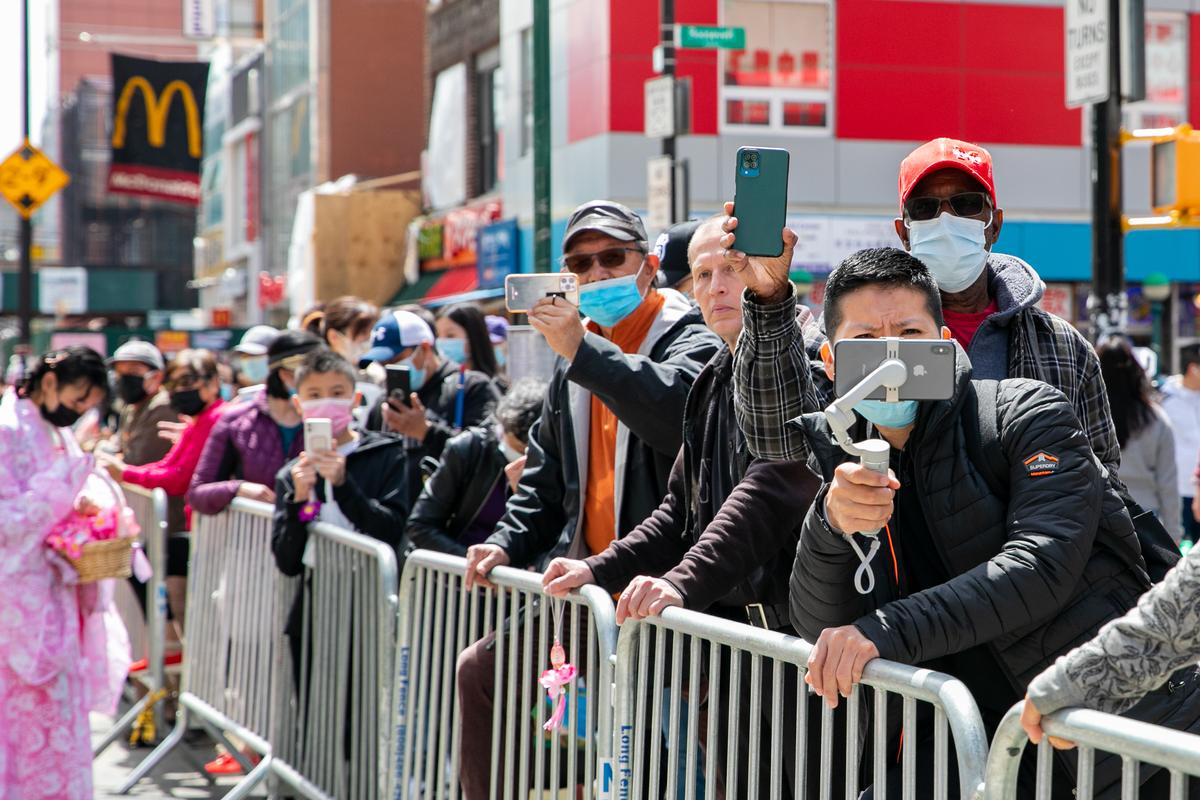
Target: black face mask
<point>61,417</point>
<point>131,388</point>
<point>188,402</point>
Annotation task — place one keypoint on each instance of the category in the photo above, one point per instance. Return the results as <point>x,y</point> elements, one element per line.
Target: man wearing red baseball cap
<point>950,220</point>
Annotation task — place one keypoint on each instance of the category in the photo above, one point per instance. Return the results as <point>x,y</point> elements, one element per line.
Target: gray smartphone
<point>760,200</point>
<point>521,292</point>
<point>318,435</point>
<point>930,365</point>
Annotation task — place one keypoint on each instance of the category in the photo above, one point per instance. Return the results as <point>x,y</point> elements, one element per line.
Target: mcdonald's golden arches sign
<point>157,128</point>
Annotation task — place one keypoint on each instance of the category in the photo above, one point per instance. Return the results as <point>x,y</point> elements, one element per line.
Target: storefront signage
<point>499,253</point>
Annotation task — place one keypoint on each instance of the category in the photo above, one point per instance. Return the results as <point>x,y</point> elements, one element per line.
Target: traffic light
<point>1174,177</point>
<point>1175,172</point>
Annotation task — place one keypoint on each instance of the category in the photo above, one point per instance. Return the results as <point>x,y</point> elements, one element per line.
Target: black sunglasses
<point>964,204</point>
<point>611,258</point>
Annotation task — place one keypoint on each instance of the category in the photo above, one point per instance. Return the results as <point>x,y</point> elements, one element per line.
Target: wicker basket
<point>107,558</point>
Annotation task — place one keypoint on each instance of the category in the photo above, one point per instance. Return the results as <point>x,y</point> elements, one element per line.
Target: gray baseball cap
<point>139,352</point>
<point>256,340</point>
<point>607,217</point>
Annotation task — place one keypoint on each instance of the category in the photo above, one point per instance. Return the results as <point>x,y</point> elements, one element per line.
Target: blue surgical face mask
<point>416,377</point>
<point>255,369</point>
<point>608,302</point>
<point>453,349</point>
<point>888,415</point>
<point>227,392</point>
<point>501,356</point>
<point>953,248</point>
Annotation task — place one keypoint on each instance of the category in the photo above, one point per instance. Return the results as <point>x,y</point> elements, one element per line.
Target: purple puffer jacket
<point>245,445</point>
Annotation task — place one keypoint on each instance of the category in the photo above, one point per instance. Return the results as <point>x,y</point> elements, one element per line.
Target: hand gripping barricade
<point>672,661</point>
<point>238,676</point>
<point>1135,742</point>
<point>146,630</point>
<point>438,620</point>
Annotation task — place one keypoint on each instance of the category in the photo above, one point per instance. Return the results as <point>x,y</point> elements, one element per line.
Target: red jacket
<point>173,474</point>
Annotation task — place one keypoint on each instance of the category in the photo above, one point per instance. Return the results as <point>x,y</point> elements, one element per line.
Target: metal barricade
<point>349,647</point>
<point>438,620</point>
<point>150,509</point>
<point>1136,743</point>
<point>688,657</point>
<point>233,634</point>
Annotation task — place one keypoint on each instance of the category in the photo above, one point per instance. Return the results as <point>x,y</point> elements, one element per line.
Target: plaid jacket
<point>778,376</point>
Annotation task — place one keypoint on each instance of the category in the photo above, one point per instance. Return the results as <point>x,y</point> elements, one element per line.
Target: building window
<point>1166,102</point>
<point>488,121</point>
<point>781,81</point>
<point>526,91</point>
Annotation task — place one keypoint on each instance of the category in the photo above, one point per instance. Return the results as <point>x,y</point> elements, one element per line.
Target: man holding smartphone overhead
<point>599,458</point>
<point>950,219</point>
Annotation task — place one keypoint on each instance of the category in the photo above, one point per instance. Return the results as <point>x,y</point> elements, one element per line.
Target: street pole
<point>1107,305</point>
<point>25,279</point>
<point>541,135</point>
<point>667,21</point>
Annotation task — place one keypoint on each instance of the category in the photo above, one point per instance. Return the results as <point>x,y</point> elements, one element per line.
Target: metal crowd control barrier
<point>438,620</point>
<point>150,508</point>
<point>651,671</point>
<point>1135,742</point>
<point>239,681</point>
<point>350,638</point>
<point>234,629</point>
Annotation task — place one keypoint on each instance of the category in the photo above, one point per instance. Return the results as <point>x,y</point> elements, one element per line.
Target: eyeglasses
<point>964,204</point>
<point>610,258</point>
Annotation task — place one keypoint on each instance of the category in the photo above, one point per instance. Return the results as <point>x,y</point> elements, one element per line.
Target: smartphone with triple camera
<point>930,364</point>
<point>760,200</point>
<point>521,292</point>
<point>399,383</point>
<point>318,435</point>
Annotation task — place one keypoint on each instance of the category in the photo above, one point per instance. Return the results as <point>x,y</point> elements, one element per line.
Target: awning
<point>455,285</point>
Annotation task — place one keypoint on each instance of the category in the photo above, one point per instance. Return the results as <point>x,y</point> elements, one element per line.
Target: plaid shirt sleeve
<point>773,380</point>
<point>1051,350</point>
<point>1091,405</point>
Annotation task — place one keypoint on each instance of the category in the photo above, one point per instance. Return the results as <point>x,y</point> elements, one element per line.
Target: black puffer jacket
<point>1033,577</point>
<point>471,466</point>
<point>647,392</point>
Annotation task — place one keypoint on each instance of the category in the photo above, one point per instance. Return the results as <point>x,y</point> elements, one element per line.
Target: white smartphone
<point>521,292</point>
<point>930,365</point>
<point>318,435</point>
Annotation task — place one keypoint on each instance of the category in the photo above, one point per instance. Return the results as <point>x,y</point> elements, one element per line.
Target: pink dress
<point>59,650</point>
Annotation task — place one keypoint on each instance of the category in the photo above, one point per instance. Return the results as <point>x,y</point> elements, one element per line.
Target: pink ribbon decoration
<point>555,682</point>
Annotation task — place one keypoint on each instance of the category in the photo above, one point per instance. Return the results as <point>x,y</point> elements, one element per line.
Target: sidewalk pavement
<point>176,776</point>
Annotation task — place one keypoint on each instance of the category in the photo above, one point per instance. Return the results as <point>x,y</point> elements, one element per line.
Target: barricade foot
<point>120,726</point>
<point>252,779</point>
<point>159,753</point>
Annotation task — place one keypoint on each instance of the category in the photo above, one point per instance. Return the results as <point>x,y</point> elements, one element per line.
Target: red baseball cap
<point>946,153</point>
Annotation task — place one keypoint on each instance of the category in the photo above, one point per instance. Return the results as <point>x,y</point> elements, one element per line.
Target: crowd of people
<point>674,457</point>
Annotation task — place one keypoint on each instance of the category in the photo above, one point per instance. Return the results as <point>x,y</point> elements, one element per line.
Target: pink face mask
<point>338,410</point>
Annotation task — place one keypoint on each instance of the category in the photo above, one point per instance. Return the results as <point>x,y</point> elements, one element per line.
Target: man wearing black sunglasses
<point>950,220</point>
<point>612,423</point>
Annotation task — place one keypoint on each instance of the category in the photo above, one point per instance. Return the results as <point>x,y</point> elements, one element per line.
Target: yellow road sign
<point>29,178</point>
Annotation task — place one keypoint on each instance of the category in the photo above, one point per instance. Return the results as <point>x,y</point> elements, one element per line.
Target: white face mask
<point>953,248</point>
<point>509,452</point>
